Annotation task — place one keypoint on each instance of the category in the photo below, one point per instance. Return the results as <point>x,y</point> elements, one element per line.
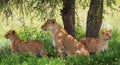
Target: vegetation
<point>27,17</point>
<point>46,8</point>
<point>106,58</point>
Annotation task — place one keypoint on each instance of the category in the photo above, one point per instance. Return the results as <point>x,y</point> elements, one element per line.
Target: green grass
<point>32,31</point>
<point>111,57</point>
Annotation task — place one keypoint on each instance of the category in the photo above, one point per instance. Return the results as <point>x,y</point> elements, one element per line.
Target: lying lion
<point>62,41</point>
<point>33,47</point>
<point>96,45</point>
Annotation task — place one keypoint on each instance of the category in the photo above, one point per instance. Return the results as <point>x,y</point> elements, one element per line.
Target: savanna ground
<point>32,31</point>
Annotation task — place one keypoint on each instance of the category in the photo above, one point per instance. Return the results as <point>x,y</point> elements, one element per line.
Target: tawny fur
<point>62,41</point>
<point>96,45</point>
<point>33,47</point>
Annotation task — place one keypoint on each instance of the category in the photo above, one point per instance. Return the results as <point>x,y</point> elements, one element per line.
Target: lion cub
<point>33,47</point>
<point>96,45</point>
<point>62,41</point>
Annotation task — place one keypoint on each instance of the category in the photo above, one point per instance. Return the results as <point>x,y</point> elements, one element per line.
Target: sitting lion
<point>96,45</point>
<point>62,41</point>
<point>33,47</point>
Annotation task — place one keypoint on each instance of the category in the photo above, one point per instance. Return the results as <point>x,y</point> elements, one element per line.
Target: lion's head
<point>49,24</point>
<point>10,34</point>
<point>106,34</point>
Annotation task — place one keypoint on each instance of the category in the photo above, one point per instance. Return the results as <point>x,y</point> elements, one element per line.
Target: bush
<point>111,57</point>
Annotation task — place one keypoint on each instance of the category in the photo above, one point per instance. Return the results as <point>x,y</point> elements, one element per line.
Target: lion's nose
<point>44,29</point>
<point>6,36</point>
<point>110,37</point>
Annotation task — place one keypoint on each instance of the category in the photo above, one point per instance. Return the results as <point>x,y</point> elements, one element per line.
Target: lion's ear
<point>53,21</point>
<point>110,30</point>
<point>102,31</point>
<point>13,31</point>
<point>48,19</point>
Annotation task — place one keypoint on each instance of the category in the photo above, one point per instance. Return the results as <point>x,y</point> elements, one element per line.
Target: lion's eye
<point>107,34</point>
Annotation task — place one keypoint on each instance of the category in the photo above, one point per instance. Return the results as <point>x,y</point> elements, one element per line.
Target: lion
<point>62,41</point>
<point>33,47</point>
<point>97,45</point>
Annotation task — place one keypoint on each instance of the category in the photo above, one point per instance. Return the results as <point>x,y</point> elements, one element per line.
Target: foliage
<point>80,33</point>
<point>25,7</point>
<point>35,10</point>
<point>110,57</point>
<point>42,8</point>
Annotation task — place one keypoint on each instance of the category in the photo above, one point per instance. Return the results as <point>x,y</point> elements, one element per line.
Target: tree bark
<point>94,18</point>
<point>68,16</point>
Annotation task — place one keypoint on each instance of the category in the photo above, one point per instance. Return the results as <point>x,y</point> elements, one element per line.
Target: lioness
<point>96,45</point>
<point>62,41</point>
<point>33,47</point>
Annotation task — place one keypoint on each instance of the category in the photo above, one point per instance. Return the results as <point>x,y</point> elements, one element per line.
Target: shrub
<point>110,57</point>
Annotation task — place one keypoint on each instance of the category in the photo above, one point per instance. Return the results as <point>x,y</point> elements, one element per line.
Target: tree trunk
<point>94,18</point>
<point>68,16</point>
